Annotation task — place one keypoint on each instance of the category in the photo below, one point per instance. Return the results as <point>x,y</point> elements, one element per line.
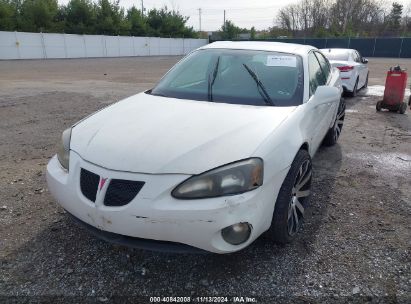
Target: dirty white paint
<point>166,153</point>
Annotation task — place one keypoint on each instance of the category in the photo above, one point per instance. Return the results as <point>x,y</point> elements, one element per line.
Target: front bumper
<point>134,242</point>
<point>155,215</point>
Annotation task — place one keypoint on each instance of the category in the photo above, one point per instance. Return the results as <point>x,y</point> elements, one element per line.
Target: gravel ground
<point>355,245</point>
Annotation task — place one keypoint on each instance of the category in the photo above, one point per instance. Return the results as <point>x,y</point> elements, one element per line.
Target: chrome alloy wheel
<point>339,121</point>
<point>299,197</point>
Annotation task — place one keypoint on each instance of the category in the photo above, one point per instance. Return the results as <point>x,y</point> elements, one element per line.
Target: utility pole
<point>224,22</point>
<point>199,15</point>
<point>142,8</point>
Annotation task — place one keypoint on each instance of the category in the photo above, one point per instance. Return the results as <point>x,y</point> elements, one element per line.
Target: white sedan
<point>352,66</point>
<point>218,152</point>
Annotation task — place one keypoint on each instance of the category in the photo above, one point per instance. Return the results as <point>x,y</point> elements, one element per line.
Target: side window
<point>325,65</point>
<point>317,78</point>
<point>359,57</point>
<point>356,57</point>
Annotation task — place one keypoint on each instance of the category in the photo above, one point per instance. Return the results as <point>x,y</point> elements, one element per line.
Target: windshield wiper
<point>212,79</point>
<point>260,85</point>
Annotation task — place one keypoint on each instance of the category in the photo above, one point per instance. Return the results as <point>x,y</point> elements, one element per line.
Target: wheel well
<point>305,147</point>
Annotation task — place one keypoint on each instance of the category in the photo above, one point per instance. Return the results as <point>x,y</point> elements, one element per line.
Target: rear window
<point>333,55</point>
<point>232,76</point>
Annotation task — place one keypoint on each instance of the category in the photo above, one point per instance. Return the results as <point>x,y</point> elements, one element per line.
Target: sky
<point>244,13</point>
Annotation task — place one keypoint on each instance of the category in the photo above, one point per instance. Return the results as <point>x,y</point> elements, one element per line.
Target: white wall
<point>18,45</point>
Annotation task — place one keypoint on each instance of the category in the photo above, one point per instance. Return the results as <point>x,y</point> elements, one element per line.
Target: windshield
<point>236,76</point>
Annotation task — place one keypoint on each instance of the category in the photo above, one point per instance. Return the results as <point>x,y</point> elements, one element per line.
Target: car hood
<point>157,135</point>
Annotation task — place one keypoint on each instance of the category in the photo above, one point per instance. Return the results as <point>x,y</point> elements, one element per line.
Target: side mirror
<point>325,94</point>
<point>364,60</point>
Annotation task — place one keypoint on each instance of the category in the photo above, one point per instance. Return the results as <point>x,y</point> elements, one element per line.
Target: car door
<point>362,69</point>
<point>331,81</point>
<point>319,121</point>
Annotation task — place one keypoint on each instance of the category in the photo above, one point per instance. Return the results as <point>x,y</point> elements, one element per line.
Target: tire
<point>378,106</point>
<point>403,108</point>
<point>366,82</point>
<point>333,134</point>
<point>291,203</point>
<point>355,90</point>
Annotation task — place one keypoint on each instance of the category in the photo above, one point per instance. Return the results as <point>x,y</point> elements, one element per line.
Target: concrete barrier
<point>19,45</point>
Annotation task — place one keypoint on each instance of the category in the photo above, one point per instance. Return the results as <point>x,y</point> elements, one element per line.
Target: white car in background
<point>218,152</point>
<point>353,68</point>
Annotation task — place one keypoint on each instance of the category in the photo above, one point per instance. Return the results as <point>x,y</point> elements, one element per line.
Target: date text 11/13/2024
<point>235,299</point>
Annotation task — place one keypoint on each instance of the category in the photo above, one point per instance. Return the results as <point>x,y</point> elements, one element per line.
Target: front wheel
<point>366,82</point>
<point>292,200</point>
<point>333,134</point>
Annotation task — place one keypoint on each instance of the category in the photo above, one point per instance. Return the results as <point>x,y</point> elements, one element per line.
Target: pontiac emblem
<point>102,182</point>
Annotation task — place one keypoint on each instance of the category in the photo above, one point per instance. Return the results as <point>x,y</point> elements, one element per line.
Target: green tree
<point>7,16</point>
<point>59,23</point>
<point>110,19</point>
<point>80,17</point>
<point>87,17</point>
<point>395,16</point>
<point>163,22</point>
<point>38,15</point>
<point>230,30</point>
<point>138,25</point>
<point>252,33</point>
<point>276,31</point>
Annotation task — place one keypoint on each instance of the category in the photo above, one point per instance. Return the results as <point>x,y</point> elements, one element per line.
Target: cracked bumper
<point>155,215</point>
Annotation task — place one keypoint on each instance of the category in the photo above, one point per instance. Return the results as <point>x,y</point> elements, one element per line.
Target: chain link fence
<point>368,47</point>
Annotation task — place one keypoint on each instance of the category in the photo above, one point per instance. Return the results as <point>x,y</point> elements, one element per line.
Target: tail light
<point>345,68</point>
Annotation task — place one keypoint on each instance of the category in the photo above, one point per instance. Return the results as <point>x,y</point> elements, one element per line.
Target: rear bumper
<point>155,215</point>
<point>347,84</point>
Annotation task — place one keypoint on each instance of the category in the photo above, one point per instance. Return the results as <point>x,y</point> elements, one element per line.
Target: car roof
<point>282,47</point>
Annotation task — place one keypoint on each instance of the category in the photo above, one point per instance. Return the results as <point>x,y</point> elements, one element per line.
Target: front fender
<point>282,144</point>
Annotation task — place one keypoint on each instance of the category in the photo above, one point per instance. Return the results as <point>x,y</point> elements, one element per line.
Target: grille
<point>120,192</point>
<point>88,184</point>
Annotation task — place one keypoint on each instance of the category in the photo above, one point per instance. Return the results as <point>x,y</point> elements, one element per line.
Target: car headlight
<point>63,153</point>
<point>234,178</point>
